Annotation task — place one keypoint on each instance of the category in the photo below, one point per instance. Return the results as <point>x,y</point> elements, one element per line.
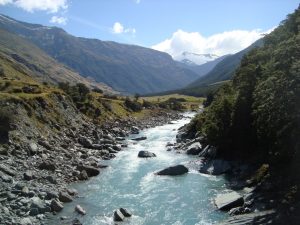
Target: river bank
<point>35,170</point>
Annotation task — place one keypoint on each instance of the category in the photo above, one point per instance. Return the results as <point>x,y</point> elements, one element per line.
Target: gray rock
<point>56,206</point>
<point>263,217</point>
<point>228,201</point>
<point>85,142</point>
<point>83,175</point>
<point>146,154</point>
<point>174,170</point>
<point>25,221</point>
<point>215,167</point>
<point>91,171</point>
<point>7,170</point>
<point>33,212</point>
<point>64,197</point>
<point>194,149</point>
<point>28,175</point>
<point>139,138</point>
<point>51,195</point>
<point>208,152</point>
<point>47,165</point>
<point>80,210</point>
<point>118,216</point>
<point>125,212</point>
<point>51,179</point>
<point>25,191</point>
<point>135,130</point>
<point>33,148</point>
<point>37,203</point>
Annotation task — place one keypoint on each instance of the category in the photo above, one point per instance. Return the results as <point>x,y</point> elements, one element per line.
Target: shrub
<point>6,119</point>
<point>133,105</point>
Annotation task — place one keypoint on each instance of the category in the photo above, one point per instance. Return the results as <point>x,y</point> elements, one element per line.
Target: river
<point>129,182</point>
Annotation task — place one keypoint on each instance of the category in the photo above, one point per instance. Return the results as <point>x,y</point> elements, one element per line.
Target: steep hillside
<point>126,68</point>
<point>31,60</point>
<point>257,115</point>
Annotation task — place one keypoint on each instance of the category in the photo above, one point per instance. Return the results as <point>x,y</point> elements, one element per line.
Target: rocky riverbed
<point>35,171</point>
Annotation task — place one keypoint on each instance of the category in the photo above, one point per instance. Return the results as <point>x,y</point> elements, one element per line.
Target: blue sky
<point>166,25</point>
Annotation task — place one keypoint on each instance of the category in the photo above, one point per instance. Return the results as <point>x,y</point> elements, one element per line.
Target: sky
<point>174,26</point>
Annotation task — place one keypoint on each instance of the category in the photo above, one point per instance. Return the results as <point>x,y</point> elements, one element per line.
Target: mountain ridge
<point>126,68</point>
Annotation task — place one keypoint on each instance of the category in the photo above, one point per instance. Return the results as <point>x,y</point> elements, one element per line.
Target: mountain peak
<point>191,58</point>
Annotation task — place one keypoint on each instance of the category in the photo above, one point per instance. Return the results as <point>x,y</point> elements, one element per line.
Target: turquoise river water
<point>129,182</point>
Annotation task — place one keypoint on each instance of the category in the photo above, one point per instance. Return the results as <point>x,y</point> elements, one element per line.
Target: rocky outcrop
<point>264,217</point>
<point>228,201</point>
<point>194,149</point>
<point>174,170</point>
<point>215,167</point>
<point>146,154</point>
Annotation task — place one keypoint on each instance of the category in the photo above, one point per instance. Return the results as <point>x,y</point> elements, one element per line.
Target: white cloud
<point>118,28</point>
<point>58,20</point>
<point>228,42</point>
<point>4,2</point>
<point>137,1</point>
<point>51,6</point>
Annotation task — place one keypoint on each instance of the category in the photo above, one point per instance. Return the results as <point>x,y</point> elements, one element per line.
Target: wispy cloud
<point>51,6</point>
<point>118,28</point>
<point>137,1</point>
<point>228,42</point>
<point>58,20</point>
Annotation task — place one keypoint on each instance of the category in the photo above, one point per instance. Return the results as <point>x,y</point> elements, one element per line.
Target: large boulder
<point>146,154</point>
<point>139,138</point>
<point>174,170</point>
<point>194,149</point>
<point>56,206</point>
<point>125,212</point>
<point>228,201</point>
<point>215,167</point>
<point>65,197</point>
<point>90,170</point>
<point>118,216</point>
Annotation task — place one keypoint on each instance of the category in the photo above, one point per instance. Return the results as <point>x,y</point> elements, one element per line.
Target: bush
<point>6,119</point>
<point>133,105</point>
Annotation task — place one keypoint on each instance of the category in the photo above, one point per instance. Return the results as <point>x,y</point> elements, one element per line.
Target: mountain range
<point>192,58</point>
<point>125,68</point>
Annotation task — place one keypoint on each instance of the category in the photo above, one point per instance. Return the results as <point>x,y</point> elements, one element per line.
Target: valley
<point>195,130</point>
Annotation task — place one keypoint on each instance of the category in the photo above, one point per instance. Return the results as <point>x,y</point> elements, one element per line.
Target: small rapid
<point>130,182</point>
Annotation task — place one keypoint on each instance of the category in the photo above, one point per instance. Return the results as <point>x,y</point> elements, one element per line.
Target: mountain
<point>126,68</point>
<point>224,70</point>
<point>191,58</point>
<point>34,62</point>
<point>203,69</point>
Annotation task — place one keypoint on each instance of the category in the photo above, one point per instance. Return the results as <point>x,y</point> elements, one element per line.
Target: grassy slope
<point>36,63</point>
